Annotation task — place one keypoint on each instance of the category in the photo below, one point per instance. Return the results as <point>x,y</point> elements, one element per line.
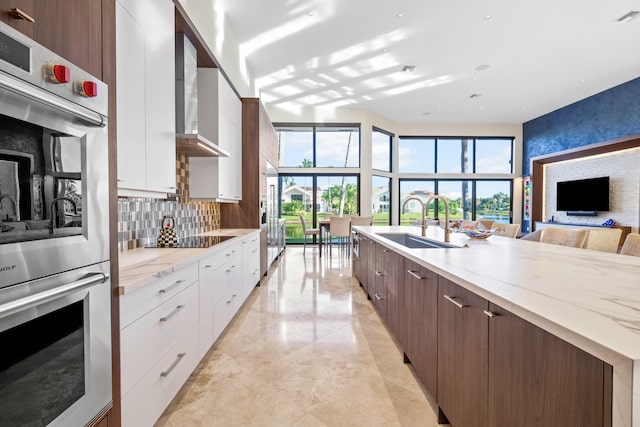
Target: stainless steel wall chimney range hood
<point>188,139</point>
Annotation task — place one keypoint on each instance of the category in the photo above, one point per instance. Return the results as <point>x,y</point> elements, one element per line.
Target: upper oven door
<point>53,183</point>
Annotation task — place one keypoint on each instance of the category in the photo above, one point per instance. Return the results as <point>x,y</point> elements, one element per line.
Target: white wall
<point>624,186</point>
<point>222,41</point>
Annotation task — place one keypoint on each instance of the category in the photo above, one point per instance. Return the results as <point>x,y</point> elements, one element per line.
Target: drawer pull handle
<point>385,250</point>
<point>379,297</point>
<point>20,14</point>
<point>173,313</point>
<point>416,275</point>
<point>232,297</point>
<point>490,313</point>
<point>379,273</point>
<point>176,283</point>
<point>231,268</point>
<point>207,266</point>
<point>456,303</point>
<point>166,373</point>
<point>230,253</point>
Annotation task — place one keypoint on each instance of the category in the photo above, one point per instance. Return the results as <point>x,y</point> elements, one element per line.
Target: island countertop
<point>590,299</point>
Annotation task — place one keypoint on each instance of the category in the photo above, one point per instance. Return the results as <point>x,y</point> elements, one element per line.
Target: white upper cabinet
<point>219,120</point>
<point>145,73</point>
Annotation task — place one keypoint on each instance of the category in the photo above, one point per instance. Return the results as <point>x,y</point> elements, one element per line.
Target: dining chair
<point>603,239</point>
<point>631,245</point>
<point>486,223</point>
<point>307,232</point>
<point>534,236</point>
<point>468,223</point>
<point>340,227</point>
<point>361,220</point>
<point>574,238</point>
<point>505,230</point>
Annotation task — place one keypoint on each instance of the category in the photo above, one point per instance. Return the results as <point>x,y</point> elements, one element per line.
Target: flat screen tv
<point>583,195</point>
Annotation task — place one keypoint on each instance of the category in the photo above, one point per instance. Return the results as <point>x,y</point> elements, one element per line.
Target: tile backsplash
<point>140,219</point>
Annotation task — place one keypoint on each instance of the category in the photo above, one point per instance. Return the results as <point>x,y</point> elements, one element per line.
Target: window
<point>381,150</point>
<point>381,200</point>
<point>493,200</point>
<point>453,155</point>
<point>316,196</point>
<point>460,198</point>
<point>318,146</point>
<point>411,212</point>
<point>416,155</point>
<point>295,147</point>
<point>493,155</point>
<point>337,147</point>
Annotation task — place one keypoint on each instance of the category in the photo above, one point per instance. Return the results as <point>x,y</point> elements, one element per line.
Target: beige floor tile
<point>306,350</point>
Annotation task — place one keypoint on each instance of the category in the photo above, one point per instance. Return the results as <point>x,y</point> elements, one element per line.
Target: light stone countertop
<point>588,298</point>
<point>139,267</point>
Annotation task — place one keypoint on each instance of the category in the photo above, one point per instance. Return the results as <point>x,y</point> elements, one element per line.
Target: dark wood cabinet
<point>420,342</point>
<point>371,266</point>
<point>537,379</point>
<point>393,290</point>
<point>71,29</point>
<point>11,12</point>
<point>462,355</point>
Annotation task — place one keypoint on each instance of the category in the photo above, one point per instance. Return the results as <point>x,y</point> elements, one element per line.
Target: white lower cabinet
<point>167,326</point>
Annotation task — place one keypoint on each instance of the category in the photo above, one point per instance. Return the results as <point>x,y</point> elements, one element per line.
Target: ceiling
<point>476,61</point>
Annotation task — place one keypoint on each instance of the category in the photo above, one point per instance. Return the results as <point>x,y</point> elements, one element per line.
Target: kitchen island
<point>588,299</point>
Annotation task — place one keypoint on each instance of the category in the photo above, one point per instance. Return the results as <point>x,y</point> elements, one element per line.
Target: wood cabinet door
<point>371,265</point>
<point>73,30</point>
<point>537,379</point>
<point>420,341</point>
<point>23,25</point>
<point>462,355</point>
<point>393,265</point>
<point>379,293</point>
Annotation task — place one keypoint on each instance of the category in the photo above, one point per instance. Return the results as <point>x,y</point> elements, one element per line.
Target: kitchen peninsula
<point>502,304</point>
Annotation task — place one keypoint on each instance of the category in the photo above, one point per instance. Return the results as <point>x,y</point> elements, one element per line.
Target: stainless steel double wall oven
<point>55,336</point>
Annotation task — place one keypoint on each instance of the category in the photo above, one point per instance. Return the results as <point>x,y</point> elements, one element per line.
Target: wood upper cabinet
<point>73,31</point>
<point>462,355</point>
<point>420,342</point>
<point>537,379</point>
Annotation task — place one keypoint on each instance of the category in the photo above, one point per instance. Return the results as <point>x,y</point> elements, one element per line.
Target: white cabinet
<point>250,263</point>
<point>158,344</point>
<point>219,120</point>
<point>145,72</point>
<point>220,289</point>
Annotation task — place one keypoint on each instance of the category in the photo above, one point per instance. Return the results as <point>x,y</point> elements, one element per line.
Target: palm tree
<point>344,183</point>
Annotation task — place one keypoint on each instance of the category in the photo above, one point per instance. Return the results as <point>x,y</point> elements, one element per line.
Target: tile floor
<point>307,349</point>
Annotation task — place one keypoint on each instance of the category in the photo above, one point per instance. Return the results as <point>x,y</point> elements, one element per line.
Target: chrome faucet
<point>52,224</point>
<point>447,231</point>
<point>424,213</point>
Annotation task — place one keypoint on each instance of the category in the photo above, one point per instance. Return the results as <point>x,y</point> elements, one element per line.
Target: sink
<point>416,242</point>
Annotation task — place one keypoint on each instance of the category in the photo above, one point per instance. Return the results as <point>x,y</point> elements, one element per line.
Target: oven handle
<point>21,304</point>
<point>35,94</point>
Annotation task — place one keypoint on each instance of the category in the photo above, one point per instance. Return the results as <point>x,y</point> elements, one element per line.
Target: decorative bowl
<point>476,233</point>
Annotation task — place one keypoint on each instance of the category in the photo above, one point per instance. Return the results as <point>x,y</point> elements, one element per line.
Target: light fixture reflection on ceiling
<point>408,68</point>
<point>630,16</point>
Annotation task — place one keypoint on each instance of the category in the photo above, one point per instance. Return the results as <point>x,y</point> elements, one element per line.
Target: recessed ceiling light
<point>310,13</point>
<point>408,68</point>
<point>475,95</point>
<point>629,16</point>
<point>487,17</point>
<point>399,15</point>
<point>385,50</point>
<point>483,67</point>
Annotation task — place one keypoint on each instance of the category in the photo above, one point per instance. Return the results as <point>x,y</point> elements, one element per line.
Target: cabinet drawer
<point>219,257</point>
<point>146,339</point>
<point>148,399</point>
<point>143,300</point>
<point>224,310</point>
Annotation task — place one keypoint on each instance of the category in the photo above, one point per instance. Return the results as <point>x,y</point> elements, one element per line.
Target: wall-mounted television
<point>583,196</point>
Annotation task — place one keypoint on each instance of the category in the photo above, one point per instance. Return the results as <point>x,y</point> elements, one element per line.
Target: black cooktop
<point>197,242</point>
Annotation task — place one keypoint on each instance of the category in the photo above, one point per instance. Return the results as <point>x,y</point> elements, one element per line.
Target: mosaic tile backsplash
<point>140,219</point>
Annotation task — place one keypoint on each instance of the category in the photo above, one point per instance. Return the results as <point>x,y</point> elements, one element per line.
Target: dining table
<point>323,226</point>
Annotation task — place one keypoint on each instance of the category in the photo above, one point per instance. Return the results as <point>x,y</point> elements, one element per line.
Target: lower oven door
<point>55,336</point>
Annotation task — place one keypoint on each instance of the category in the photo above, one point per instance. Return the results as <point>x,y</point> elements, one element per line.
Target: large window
<point>381,200</point>
<point>468,199</point>
<point>416,155</point>
<point>318,146</point>
<point>381,150</point>
<point>316,196</point>
<point>455,155</point>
